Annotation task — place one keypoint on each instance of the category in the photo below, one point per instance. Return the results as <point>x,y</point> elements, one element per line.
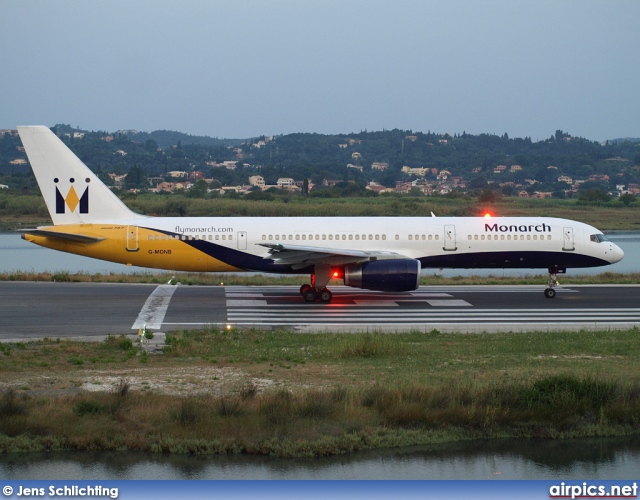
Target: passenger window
<point>230,237</point>
<point>397,236</point>
<point>482,236</point>
<point>377,236</point>
<point>357,236</point>
<point>384,236</point>
<point>410,237</point>
<point>150,237</point>
<point>344,236</point>
<point>351,236</point>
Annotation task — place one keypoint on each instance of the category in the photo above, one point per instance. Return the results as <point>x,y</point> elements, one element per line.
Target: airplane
<point>375,253</point>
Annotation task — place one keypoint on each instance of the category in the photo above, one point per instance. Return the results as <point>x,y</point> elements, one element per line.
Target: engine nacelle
<point>397,275</point>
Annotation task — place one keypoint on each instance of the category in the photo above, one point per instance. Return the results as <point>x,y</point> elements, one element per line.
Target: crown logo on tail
<point>72,201</point>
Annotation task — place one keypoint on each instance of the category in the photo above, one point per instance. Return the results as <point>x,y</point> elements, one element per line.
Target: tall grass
<point>613,215</point>
<point>318,423</point>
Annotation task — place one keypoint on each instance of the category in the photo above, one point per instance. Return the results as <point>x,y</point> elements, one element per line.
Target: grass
<point>239,279</point>
<point>287,394</point>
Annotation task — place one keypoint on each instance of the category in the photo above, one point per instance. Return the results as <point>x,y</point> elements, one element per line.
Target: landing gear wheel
<point>549,293</point>
<point>310,295</point>
<point>325,295</point>
<point>304,288</point>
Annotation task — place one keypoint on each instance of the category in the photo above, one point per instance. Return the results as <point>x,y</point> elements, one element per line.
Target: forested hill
<point>318,157</point>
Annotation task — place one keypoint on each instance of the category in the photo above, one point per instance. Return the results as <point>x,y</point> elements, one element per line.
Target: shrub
<point>88,407</point>
<point>9,405</point>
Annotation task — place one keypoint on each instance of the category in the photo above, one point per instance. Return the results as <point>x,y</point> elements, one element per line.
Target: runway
<point>35,310</point>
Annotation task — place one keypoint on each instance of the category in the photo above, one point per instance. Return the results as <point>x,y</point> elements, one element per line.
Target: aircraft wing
<point>75,237</point>
<point>302,255</point>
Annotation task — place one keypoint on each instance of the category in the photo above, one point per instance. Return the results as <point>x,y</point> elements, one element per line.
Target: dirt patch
<point>175,381</point>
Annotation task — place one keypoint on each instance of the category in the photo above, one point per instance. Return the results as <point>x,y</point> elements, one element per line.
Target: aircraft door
<point>568,244</point>
<point>242,240</point>
<point>450,243</point>
<point>132,239</point>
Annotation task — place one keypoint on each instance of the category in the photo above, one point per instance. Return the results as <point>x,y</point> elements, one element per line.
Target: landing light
<point>487,215</point>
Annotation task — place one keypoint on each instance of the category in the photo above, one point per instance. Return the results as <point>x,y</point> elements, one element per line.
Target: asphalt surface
<point>45,309</point>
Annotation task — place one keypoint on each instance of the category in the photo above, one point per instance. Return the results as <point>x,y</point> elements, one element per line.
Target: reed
<point>327,393</point>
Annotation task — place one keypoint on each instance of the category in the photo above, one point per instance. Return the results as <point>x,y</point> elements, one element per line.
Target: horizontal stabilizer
<point>75,237</point>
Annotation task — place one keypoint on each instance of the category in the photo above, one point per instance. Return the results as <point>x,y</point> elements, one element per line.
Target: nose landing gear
<point>550,292</point>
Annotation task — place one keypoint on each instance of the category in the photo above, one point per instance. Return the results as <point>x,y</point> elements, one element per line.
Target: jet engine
<point>397,275</point>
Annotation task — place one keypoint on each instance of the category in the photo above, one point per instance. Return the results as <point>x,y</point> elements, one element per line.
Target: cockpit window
<point>598,238</point>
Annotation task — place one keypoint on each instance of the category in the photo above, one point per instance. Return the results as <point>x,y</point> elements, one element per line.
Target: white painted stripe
<point>448,303</point>
<point>154,309</point>
<point>241,303</point>
<point>243,295</point>
<point>381,303</point>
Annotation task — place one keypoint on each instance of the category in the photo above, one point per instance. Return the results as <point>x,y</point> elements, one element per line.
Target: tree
<point>135,178</point>
<point>487,196</point>
<point>627,198</point>
<point>594,195</point>
<point>198,190</point>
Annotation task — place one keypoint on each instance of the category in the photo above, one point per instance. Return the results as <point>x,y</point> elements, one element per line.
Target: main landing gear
<point>550,292</point>
<point>317,290</point>
<point>311,294</point>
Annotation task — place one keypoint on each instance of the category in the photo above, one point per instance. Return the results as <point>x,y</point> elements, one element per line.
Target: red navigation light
<point>487,215</point>
<point>336,274</point>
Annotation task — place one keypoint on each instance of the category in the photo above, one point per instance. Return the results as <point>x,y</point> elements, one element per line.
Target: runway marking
<point>448,303</point>
<point>240,303</point>
<point>378,303</point>
<point>424,309</point>
<point>152,313</point>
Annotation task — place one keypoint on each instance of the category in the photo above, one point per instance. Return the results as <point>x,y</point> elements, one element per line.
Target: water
<point>20,255</point>
<point>612,458</point>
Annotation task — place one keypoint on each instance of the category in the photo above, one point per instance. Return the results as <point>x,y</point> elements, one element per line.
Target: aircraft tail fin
<point>72,192</point>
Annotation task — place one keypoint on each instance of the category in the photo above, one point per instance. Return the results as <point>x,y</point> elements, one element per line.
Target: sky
<point>246,68</point>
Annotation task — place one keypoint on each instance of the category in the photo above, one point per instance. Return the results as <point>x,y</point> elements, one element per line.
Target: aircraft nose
<point>617,254</point>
